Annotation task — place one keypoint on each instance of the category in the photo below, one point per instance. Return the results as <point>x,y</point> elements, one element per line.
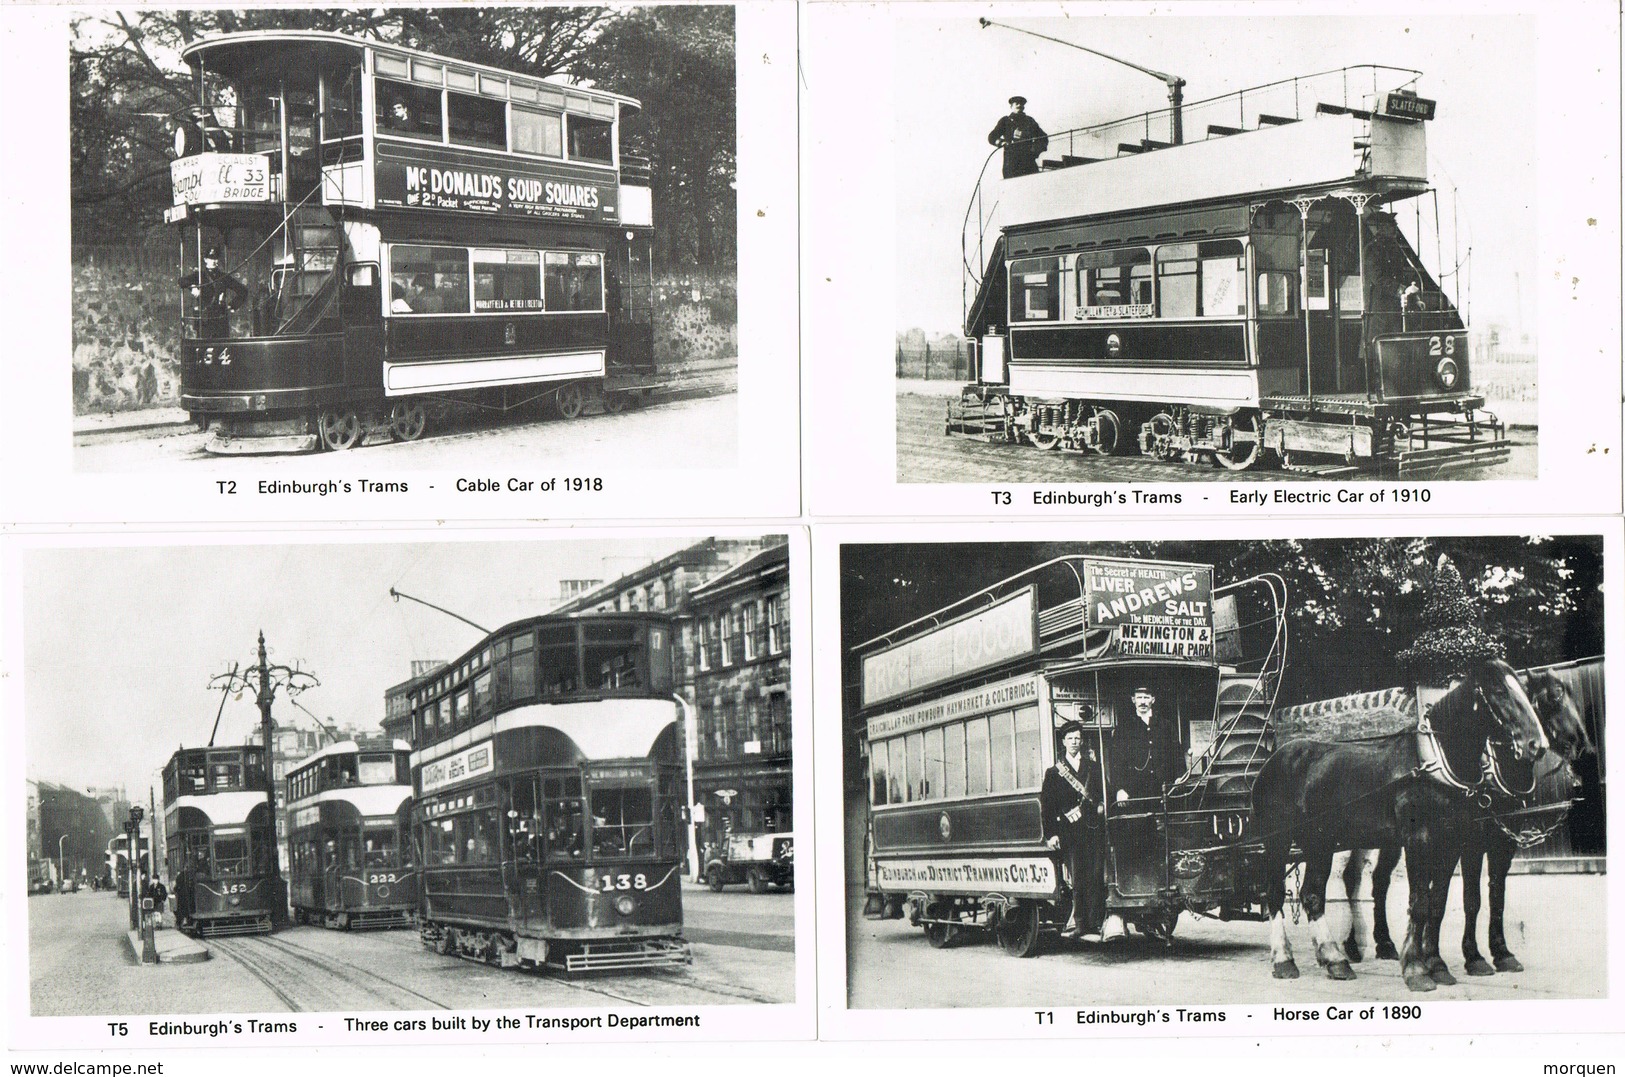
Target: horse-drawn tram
<point>1252,294</point>
<point>964,711</point>
<point>372,235</point>
<point>548,768</point>
<point>352,861</point>
<point>220,843</point>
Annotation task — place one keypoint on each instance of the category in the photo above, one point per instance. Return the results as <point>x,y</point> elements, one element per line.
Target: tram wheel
<point>1017,930</point>
<point>339,430</point>
<point>1043,441</point>
<point>1244,450</point>
<point>939,935</point>
<point>1162,429</point>
<point>442,945</point>
<point>569,400</point>
<point>406,422</point>
<point>1110,430</point>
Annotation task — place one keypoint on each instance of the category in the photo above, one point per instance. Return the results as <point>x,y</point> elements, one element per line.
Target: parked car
<point>762,860</point>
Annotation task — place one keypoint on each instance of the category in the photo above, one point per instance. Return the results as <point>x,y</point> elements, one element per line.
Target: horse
<point>1403,790</point>
<point>1560,718</point>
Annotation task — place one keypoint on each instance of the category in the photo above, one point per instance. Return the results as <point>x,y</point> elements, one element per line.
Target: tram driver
<point>1146,754</point>
<point>1073,812</point>
<point>215,294</point>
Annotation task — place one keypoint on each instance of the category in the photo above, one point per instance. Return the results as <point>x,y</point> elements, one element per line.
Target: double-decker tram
<point>963,712</point>
<point>1252,294</point>
<point>220,842</point>
<point>352,860</point>
<point>372,236</point>
<point>548,765</point>
<point>118,861</point>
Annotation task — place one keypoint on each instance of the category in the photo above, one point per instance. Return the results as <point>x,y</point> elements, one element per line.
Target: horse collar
<point>1436,765</point>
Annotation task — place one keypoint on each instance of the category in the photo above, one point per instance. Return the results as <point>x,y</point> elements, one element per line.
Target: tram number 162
<point>639,881</point>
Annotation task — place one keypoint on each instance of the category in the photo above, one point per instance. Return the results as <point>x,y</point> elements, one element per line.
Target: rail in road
<point>306,979</point>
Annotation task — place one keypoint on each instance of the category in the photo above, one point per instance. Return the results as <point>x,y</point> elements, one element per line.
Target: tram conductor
<point>1073,810</point>
<point>1023,140</point>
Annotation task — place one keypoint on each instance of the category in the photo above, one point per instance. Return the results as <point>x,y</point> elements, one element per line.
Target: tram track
<point>288,971</point>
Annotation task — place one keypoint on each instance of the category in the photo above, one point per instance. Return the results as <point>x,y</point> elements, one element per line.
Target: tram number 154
<point>623,882</point>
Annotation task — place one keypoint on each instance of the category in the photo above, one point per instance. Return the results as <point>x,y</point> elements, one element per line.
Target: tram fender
<point>1336,439</point>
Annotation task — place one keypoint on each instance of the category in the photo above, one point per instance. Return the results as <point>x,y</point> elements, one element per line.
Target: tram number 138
<point>623,882</point>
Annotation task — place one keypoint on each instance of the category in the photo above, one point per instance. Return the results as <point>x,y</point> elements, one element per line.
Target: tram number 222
<point>639,881</point>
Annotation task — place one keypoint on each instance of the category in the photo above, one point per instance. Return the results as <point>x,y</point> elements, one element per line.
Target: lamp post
<point>691,745</point>
<point>132,830</point>
<point>61,864</point>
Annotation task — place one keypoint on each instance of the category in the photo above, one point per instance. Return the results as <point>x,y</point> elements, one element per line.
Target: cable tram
<point>548,765</point>
<point>372,236</point>
<point>220,842</point>
<point>352,862</point>
<point>1252,294</point>
<point>963,710</point>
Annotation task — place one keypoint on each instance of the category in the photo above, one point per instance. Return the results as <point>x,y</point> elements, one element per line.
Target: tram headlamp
<point>1448,373</point>
<point>236,901</point>
<point>625,904</point>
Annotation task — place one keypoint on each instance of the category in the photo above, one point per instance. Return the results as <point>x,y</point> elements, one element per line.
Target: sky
<point>120,643</point>
<point>952,79</point>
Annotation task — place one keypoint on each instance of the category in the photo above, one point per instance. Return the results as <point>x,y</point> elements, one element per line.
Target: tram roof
<point>349,747</point>
<point>246,50</point>
<point>368,800</point>
<point>223,809</point>
<point>629,733</point>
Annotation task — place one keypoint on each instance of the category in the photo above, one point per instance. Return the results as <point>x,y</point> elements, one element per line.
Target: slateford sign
<point>206,178</point>
<point>427,179</point>
<point>1154,610</point>
<point>997,696</point>
<point>1005,874</point>
<point>1005,630</point>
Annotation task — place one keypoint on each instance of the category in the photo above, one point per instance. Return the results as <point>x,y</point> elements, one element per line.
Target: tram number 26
<point>639,881</point>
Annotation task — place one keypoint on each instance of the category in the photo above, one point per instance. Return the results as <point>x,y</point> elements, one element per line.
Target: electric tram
<point>962,711</point>
<point>352,862</point>
<point>118,861</point>
<point>1247,295</point>
<point>548,765</point>
<point>372,236</point>
<point>220,843</point>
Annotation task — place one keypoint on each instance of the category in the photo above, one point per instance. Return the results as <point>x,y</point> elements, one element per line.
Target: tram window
<point>877,773</point>
<point>914,746</point>
<point>443,721</point>
<point>953,760</point>
<point>507,280</point>
<point>408,110</point>
<point>539,133</point>
<point>1029,760</point>
<point>262,123</point>
<point>976,757</point>
<point>558,673</point>
<point>350,850</point>
<point>1114,279</point>
<point>301,114</point>
<point>591,140</point>
<point>231,856</point>
<point>1277,292</point>
<point>610,654</point>
<point>524,667</point>
<point>1002,752</point>
<point>565,836</point>
<point>434,280</point>
<point>896,772</point>
<point>1219,265</point>
<point>477,121</point>
<point>1276,259</point>
<point>341,100</point>
<point>226,775</point>
<point>463,712</point>
<point>1176,281</point>
<point>482,693</point>
<point>622,821</point>
<point>442,848</point>
<point>933,764</point>
<point>575,281</point>
<point>1035,289</point>
<point>377,769</point>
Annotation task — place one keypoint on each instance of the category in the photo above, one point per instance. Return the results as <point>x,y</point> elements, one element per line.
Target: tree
<point>679,62</point>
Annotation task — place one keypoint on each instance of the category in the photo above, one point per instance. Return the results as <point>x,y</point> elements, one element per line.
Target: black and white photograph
<point>441,234</point>
<point>409,776</point>
<point>1177,773</point>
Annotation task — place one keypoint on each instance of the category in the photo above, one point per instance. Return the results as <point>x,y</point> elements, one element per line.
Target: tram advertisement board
<point>425,179</point>
<point>1007,874</point>
<point>1005,630</point>
<point>468,763</point>
<point>997,696</point>
<point>1153,609</point>
<point>206,178</point>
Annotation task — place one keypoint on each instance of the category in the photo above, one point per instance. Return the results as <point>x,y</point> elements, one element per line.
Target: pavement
<point>173,947</point>
<point>688,382</point>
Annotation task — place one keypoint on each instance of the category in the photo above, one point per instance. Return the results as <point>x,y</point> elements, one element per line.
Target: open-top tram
<point>221,843</point>
<point>962,710</point>
<point>373,235</point>
<point>1248,295</point>
<point>352,858</point>
<point>548,764</point>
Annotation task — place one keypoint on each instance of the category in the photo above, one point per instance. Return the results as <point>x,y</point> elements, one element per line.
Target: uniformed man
<point>1023,140</point>
<point>1072,807</point>
<point>1146,754</point>
<point>215,294</point>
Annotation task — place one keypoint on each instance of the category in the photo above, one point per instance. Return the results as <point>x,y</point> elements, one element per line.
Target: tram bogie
<point>1244,298</point>
<point>416,236</point>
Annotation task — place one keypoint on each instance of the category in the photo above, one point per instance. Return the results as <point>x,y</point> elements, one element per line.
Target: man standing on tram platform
<point>1023,140</point>
<point>215,294</point>
<point>1072,806</point>
<point>1146,753</point>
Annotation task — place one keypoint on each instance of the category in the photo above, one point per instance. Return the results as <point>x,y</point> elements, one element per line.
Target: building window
<point>747,631</point>
<point>726,631</point>
<point>778,626</point>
